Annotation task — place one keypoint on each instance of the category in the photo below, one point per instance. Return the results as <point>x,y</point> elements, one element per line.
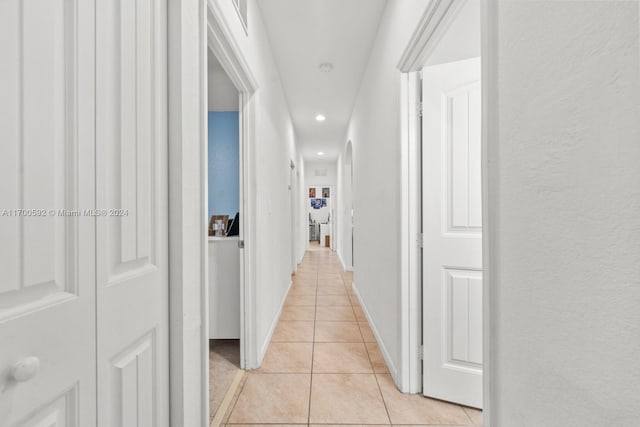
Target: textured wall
<point>224,170</point>
<point>566,308</point>
<point>374,130</point>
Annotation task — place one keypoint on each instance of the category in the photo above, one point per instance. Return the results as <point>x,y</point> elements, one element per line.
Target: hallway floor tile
<point>324,367</point>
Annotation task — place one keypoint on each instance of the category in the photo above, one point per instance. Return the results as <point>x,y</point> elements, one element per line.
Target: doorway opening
<point>295,217</point>
<point>228,341</point>
<point>223,245</point>
<point>348,212</point>
<point>442,282</point>
<point>321,214</point>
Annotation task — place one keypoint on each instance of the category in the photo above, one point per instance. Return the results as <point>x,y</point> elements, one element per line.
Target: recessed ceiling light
<point>326,67</point>
<point>320,118</point>
<point>320,153</point>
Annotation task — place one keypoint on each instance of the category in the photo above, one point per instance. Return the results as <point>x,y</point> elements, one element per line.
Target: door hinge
<point>241,244</point>
<point>420,108</point>
<point>420,240</point>
<point>420,352</point>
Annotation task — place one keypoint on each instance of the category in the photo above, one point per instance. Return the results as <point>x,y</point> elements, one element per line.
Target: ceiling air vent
<point>321,172</point>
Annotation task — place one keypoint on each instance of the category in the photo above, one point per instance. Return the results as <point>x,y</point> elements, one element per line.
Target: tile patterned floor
<point>224,363</point>
<point>324,366</point>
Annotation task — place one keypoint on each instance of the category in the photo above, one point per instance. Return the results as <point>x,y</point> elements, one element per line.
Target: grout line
<point>224,406</point>
<point>464,408</point>
<point>235,403</point>
<point>384,402</point>
<point>313,345</point>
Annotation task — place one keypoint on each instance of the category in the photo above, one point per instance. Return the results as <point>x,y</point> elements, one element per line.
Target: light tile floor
<point>224,363</point>
<point>324,366</point>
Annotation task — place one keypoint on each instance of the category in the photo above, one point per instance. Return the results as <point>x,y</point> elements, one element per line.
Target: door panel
<point>452,257</point>
<point>47,250</point>
<point>132,191</point>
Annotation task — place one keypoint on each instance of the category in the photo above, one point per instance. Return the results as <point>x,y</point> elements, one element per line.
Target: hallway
<point>323,365</point>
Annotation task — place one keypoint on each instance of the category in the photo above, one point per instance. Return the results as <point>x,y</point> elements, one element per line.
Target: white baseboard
<point>344,266</point>
<point>272,328</point>
<point>383,349</point>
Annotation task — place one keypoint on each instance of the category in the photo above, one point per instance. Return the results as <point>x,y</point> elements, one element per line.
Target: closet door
<point>47,243</point>
<point>452,224</point>
<point>131,120</point>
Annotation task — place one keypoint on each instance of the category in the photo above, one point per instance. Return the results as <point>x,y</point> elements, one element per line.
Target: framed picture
<point>326,192</point>
<point>312,192</point>
<point>212,223</point>
<point>316,203</point>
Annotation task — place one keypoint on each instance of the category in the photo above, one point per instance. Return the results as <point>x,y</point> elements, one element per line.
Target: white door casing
<point>452,226</point>
<point>132,240</point>
<point>47,253</point>
<point>295,220</point>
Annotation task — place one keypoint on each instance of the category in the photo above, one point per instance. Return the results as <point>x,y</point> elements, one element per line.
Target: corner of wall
<point>383,349</point>
<point>344,266</point>
<point>265,344</point>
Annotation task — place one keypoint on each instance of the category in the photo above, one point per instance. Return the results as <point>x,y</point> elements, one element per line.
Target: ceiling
<point>222,94</point>
<point>307,33</point>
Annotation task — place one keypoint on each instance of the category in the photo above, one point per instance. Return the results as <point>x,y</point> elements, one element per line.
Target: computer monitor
<point>234,228</point>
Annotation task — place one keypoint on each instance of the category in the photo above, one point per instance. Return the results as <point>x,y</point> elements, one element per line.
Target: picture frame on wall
<point>312,192</point>
<point>326,192</point>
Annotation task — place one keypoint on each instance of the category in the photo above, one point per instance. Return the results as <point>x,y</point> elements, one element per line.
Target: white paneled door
<point>132,186</point>
<point>452,256</point>
<point>47,253</point>
<point>83,213</point>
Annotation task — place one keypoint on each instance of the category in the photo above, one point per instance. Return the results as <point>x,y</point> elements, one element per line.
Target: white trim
<point>385,353</point>
<point>265,345</point>
<point>490,193</point>
<point>411,226</point>
<point>221,42</point>
<point>345,267</point>
<point>227,51</point>
<point>186,51</point>
<point>434,23</point>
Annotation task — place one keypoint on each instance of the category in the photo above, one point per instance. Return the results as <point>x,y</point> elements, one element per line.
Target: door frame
<point>194,27</point>
<point>221,43</point>
<point>435,21</point>
<point>293,197</point>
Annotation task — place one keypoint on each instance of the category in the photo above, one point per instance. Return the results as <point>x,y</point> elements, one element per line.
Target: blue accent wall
<point>224,141</point>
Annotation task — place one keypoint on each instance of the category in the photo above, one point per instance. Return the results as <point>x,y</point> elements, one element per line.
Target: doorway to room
<point>223,240</point>
<point>321,214</point>
<point>348,212</point>
<point>443,254</point>
<point>295,217</point>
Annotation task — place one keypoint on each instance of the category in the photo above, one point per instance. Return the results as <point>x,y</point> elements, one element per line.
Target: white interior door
<point>452,257</point>
<point>47,253</point>
<point>132,182</point>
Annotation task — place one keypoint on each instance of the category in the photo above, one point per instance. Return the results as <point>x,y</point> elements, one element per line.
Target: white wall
<point>312,179</point>
<point>462,39</point>
<point>274,150</point>
<point>374,130</point>
<point>222,95</point>
<point>187,190</point>
<point>566,204</point>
